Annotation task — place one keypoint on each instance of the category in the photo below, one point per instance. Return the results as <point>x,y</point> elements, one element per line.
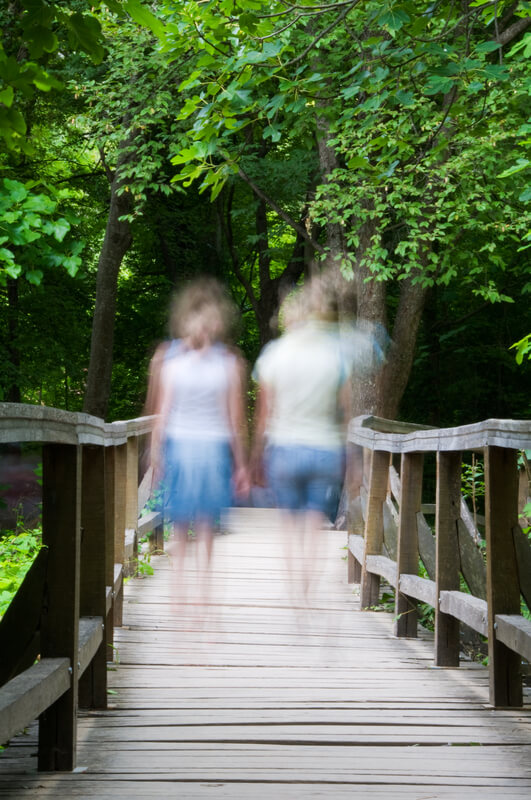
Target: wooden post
<point>120,473</point>
<point>407,559</point>
<point>156,539</point>
<point>61,527</point>
<point>355,524</point>
<point>447,515</point>
<point>110,557</point>
<point>379,473</point>
<point>93,683</point>
<point>353,569</point>
<point>131,503</point>
<point>503,591</point>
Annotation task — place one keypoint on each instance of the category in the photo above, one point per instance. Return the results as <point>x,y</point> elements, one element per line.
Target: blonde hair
<point>293,309</point>
<point>317,299</point>
<point>203,311</point>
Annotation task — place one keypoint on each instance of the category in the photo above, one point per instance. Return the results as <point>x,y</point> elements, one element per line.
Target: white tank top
<point>199,381</point>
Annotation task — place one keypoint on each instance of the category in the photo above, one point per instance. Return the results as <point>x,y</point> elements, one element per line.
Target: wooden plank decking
<point>258,699</point>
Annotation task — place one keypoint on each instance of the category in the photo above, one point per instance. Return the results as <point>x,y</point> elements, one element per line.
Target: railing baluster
<point>379,474</point>
<point>503,593</point>
<point>355,524</point>
<point>110,558</point>
<point>120,478</point>
<point>61,525</point>
<point>447,515</point>
<point>131,503</point>
<point>93,683</point>
<point>407,546</point>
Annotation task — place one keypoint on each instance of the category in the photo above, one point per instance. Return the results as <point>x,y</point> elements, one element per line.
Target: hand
<point>241,482</point>
<point>257,471</point>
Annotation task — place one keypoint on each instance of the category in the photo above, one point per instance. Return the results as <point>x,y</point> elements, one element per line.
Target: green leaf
<point>6,96</point>
<point>405,98</point>
<point>248,22</point>
<point>16,120</point>
<point>487,47</point>
<point>7,255</point>
<point>522,163</point>
<point>144,17</point>
<point>45,82</point>
<point>351,91</point>
<point>438,84</point>
<point>72,264</point>
<point>40,204</point>
<point>13,270</point>
<point>276,102</point>
<point>17,191</point>
<point>497,72</point>
<point>41,40</point>
<point>34,276</point>
<point>272,132</point>
<point>60,229</point>
<point>474,87</point>
<point>394,19</point>
<point>85,31</point>
<point>356,162</point>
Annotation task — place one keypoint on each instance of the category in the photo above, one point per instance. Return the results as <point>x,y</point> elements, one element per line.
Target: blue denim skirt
<point>305,478</point>
<point>196,482</point>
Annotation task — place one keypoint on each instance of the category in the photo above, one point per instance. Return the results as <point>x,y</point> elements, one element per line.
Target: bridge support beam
<point>379,476</point>
<point>61,533</point>
<point>93,601</point>
<point>448,513</point>
<point>407,548</point>
<point>503,588</point>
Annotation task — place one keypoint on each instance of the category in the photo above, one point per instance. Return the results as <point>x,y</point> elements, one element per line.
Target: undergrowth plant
<point>18,550</point>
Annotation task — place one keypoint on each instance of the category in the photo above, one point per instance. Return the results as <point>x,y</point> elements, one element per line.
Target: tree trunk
<point>116,243</point>
<point>335,240</point>
<point>381,393</point>
<point>394,376</point>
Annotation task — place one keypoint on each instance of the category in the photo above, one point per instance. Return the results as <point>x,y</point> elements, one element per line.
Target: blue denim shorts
<point>196,480</point>
<point>305,478</point>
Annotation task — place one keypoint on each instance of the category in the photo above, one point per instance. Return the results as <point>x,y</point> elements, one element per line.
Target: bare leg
<point>313,549</point>
<point>294,553</point>
<point>204,551</point>
<point>176,550</point>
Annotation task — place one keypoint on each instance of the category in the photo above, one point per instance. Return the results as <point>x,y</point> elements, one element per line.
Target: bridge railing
<point>56,636</point>
<point>388,533</point>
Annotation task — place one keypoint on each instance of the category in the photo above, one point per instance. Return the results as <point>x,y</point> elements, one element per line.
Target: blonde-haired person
<point>198,442</point>
<point>302,408</point>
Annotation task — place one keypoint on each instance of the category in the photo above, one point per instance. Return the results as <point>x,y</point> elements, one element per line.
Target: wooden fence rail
<point>72,596</point>
<point>493,606</point>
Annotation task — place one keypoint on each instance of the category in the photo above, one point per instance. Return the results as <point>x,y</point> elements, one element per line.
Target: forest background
<point>259,141</point>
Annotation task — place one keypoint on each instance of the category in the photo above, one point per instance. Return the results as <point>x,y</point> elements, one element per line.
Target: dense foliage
<point>257,140</point>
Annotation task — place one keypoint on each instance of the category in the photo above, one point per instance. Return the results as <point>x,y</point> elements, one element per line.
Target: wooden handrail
<point>20,422</point>
<point>496,613</point>
<point>71,599</point>
<point>376,433</point>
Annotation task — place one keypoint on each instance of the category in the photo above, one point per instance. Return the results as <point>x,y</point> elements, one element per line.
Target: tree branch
<point>326,30</point>
<point>514,30</point>
<point>281,213</point>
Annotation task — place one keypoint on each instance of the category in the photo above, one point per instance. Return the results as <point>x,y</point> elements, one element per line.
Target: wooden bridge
<point>257,694</point>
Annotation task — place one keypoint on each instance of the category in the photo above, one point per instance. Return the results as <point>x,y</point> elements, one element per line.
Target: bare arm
<point>261,416</point>
<point>163,394</point>
<point>238,425</point>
